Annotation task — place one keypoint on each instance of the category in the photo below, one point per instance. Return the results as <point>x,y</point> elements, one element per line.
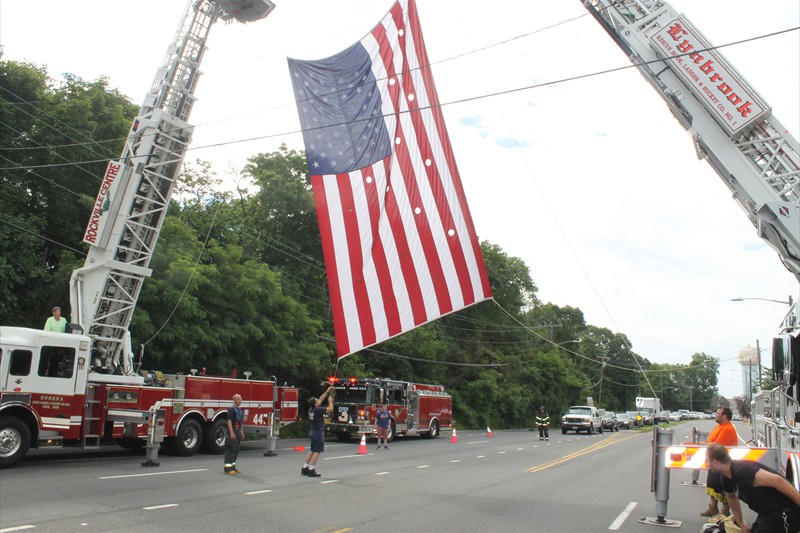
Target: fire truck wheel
<point>15,439</point>
<point>434,430</point>
<point>392,432</point>
<point>343,436</point>
<point>215,436</point>
<point>189,438</point>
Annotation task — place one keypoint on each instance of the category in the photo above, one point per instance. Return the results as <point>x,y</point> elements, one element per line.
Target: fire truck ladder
<point>760,165</point>
<point>106,289</point>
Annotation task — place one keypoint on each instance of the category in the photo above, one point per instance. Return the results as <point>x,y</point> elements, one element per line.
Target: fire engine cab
<point>416,408</point>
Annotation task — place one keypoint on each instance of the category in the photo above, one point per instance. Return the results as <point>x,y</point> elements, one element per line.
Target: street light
<point>740,299</point>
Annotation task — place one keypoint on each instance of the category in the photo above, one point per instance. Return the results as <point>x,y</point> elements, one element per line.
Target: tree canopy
<point>239,281</point>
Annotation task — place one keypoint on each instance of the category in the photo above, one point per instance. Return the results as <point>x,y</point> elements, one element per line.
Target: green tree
<point>54,143</point>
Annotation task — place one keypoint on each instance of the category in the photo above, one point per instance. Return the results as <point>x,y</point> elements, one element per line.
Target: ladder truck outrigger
<point>82,387</point>
<point>733,128</point>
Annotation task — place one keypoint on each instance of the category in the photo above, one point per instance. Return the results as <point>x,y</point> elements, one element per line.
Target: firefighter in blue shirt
<point>234,435</point>
<point>543,422</point>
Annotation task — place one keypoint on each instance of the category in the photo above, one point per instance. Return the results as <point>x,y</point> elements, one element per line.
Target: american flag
<point>399,243</point>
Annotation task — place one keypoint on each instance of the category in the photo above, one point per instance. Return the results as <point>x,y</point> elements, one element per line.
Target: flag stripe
<point>478,275</point>
<point>324,218</point>
<point>429,261</point>
<point>351,217</point>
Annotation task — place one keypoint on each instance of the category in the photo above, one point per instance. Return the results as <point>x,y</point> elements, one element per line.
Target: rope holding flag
<point>398,239</point>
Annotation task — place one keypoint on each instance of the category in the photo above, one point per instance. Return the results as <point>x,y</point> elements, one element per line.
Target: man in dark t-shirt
<point>234,435</point>
<point>765,491</point>
<point>316,415</point>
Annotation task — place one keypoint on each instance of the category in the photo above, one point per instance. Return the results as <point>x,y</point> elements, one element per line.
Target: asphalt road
<point>509,482</point>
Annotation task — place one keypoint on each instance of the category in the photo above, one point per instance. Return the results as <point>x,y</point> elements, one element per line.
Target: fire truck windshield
<point>357,394</point>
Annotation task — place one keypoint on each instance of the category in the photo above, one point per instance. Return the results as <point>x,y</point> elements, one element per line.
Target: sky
<point>591,182</point>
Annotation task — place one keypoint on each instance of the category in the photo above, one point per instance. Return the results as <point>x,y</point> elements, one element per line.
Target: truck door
<point>52,369</point>
<point>413,409</point>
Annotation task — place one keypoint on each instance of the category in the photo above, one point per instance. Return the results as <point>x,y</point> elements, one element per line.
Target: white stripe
<point>155,507</point>
<point>155,473</point>
<point>382,473</point>
<point>342,259</point>
<point>258,492</point>
<point>623,516</point>
<point>329,481</point>
<point>16,528</point>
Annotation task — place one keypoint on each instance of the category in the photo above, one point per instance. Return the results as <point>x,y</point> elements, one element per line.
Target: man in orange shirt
<point>725,434</point>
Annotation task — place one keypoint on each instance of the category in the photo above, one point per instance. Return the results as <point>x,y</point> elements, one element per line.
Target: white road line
<point>424,466</point>
<point>16,528</point>
<point>500,453</point>
<point>456,461</point>
<point>154,507</point>
<point>345,457</point>
<point>478,442</point>
<point>480,456</point>
<point>258,492</point>
<point>156,473</point>
<point>329,481</point>
<point>623,516</point>
<point>519,449</point>
<point>382,473</point>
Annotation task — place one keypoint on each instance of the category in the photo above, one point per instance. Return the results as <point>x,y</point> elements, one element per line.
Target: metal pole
<point>758,358</point>
<point>660,479</point>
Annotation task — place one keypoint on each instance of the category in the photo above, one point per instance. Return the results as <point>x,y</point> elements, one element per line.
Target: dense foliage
<point>239,281</point>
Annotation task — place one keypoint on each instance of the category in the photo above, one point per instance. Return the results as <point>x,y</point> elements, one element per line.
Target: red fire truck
<point>416,408</point>
<point>82,387</point>
<point>51,398</point>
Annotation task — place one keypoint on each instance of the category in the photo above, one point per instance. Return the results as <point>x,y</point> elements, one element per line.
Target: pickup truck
<point>581,418</point>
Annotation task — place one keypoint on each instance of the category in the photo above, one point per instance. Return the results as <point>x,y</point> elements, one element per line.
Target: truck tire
<point>15,439</point>
<point>601,429</point>
<point>563,431</point>
<point>433,432</point>
<point>214,441</point>
<point>343,436</point>
<point>392,432</point>
<point>188,439</point>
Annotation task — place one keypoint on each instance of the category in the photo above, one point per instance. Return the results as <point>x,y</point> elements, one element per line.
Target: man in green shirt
<point>56,322</point>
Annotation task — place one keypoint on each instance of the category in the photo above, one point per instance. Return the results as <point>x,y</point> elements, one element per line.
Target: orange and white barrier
<point>694,457</point>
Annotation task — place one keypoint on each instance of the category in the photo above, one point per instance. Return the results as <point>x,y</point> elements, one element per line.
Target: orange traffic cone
<point>454,437</point>
<point>362,448</point>
<point>489,432</point>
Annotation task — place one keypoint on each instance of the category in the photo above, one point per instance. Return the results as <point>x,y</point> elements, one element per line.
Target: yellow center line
<point>614,439</point>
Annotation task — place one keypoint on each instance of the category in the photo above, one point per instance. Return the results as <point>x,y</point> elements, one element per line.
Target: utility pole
<point>602,367</point>
<point>758,360</point>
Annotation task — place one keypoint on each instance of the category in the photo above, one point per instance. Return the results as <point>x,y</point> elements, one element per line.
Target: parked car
<point>663,417</point>
<point>675,416</point>
<point>610,421</point>
<point>624,420</point>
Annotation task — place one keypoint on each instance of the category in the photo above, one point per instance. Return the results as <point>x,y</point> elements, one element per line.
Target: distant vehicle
<point>684,414</point>
<point>675,417</point>
<point>610,421</point>
<point>638,419</point>
<point>581,418</point>
<point>624,420</point>
<point>663,417</point>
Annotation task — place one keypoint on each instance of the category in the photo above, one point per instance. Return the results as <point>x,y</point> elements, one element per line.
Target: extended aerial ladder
<point>135,192</point>
<point>732,126</point>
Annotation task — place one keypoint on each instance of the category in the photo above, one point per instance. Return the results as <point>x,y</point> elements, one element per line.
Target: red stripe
<point>337,309</point>
<point>354,247</point>
<point>392,214</point>
<point>422,54</point>
<point>378,254</point>
<point>434,178</point>
<point>403,158</point>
